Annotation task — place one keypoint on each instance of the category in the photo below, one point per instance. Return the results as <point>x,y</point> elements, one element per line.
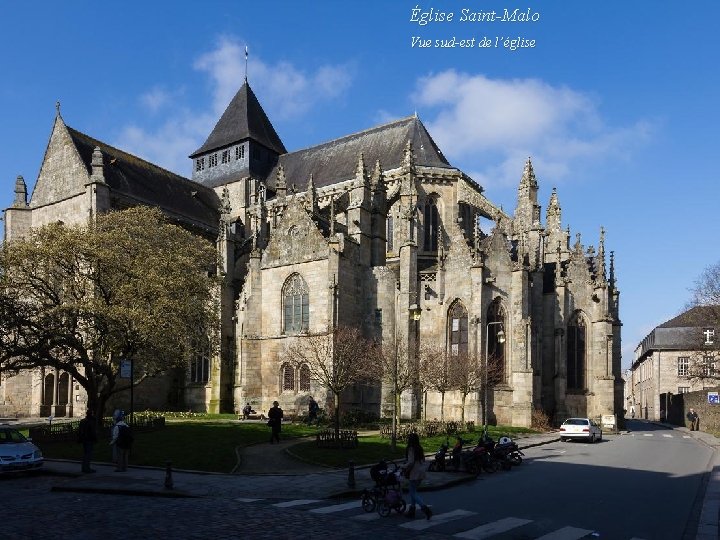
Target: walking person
<point>122,440</point>
<point>694,419</point>
<point>87,436</point>
<point>415,473</point>
<point>632,411</point>
<point>275,415</point>
<point>313,408</point>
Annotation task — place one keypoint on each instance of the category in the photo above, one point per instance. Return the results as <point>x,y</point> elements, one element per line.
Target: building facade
<point>375,230</point>
<point>677,357</point>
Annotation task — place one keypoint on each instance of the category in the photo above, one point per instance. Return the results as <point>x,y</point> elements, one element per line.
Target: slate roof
<point>336,160</point>
<point>699,316</point>
<point>244,118</point>
<point>141,180</point>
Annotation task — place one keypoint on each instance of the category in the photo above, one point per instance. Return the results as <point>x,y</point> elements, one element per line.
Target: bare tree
<point>434,373</point>
<point>128,285</point>
<point>466,375</point>
<point>337,360</point>
<point>706,290</point>
<point>393,366</point>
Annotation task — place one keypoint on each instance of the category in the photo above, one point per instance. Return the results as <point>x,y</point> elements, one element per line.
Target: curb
<point>119,491</point>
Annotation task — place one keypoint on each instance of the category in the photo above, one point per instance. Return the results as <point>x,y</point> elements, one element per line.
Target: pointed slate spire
<point>20,193</point>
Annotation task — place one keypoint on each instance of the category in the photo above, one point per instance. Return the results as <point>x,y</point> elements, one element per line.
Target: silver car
<point>17,453</point>
<point>580,428</point>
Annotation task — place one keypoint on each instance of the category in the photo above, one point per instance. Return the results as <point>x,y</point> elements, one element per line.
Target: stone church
<point>375,230</point>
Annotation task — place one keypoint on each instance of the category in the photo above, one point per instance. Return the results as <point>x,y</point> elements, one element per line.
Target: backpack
<point>125,437</point>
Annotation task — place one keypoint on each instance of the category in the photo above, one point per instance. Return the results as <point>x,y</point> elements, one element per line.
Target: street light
<point>500,339</point>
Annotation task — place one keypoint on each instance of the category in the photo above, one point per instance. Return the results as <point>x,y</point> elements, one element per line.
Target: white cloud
<point>285,92</point>
<point>509,120</point>
<point>155,99</point>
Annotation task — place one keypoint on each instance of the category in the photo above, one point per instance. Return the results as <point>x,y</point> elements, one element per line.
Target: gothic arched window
<point>576,338</point>
<point>200,363</point>
<point>296,305</point>
<point>458,329</point>
<point>496,349</point>
<point>431,222</point>
<point>287,376</point>
<point>304,378</point>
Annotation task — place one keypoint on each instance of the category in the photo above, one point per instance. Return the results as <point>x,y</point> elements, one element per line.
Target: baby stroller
<point>386,495</point>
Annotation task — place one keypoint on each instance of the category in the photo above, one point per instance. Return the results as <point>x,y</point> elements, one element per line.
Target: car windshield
<point>9,436</point>
<point>576,422</point>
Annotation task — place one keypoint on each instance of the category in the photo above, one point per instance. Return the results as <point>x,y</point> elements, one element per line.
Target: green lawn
<point>209,443</point>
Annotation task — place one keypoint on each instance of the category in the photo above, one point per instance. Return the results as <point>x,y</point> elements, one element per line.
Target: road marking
<point>687,437</point>
<point>667,435</point>
<point>335,508</point>
<point>368,517</point>
<point>648,434</point>
<point>421,525</point>
<point>566,533</point>
<point>491,529</point>
<point>241,499</point>
<point>296,502</point>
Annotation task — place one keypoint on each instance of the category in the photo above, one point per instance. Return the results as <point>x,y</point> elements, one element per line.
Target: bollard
<point>168,475</point>
<point>351,474</point>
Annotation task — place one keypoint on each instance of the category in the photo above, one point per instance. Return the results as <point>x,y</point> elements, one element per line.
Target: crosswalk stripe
<point>421,525</point>
<point>336,508</point>
<point>296,502</point>
<point>687,437</point>
<point>368,517</point>
<point>648,434</point>
<point>491,529</point>
<point>242,499</point>
<point>667,435</point>
<point>566,533</point>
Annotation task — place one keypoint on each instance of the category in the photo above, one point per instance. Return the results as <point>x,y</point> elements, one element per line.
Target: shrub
<point>540,420</point>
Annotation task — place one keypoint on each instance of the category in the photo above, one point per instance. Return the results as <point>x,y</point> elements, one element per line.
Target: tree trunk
<point>462,409</point>
<point>442,406</point>
<point>337,414</point>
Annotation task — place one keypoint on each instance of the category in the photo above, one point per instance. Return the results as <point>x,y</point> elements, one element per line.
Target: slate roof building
<point>676,357</point>
<point>375,230</point>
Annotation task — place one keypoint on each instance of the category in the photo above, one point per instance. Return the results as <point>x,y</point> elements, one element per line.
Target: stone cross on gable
<point>709,334</point>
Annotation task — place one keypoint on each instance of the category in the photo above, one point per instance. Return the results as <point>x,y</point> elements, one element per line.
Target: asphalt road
<point>643,485</point>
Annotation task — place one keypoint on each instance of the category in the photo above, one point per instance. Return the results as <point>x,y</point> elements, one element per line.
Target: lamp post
<point>500,339</point>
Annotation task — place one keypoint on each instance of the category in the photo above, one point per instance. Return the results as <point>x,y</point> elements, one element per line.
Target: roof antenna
<point>246,60</point>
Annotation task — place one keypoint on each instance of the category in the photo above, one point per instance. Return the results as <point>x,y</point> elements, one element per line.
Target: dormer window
<point>240,152</point>
<point>212,160</point>
<point>200,164</point>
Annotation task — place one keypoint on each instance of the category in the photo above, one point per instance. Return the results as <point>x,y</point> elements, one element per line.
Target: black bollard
<point>168,475</point>
<point>351,474</point>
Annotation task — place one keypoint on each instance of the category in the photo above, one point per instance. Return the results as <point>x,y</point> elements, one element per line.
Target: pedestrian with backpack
<point>122,440</point>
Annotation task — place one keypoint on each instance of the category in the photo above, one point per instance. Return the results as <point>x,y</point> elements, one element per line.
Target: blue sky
<point>617,103</point>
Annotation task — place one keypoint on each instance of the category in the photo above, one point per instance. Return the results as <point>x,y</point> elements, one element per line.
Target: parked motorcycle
<point>506,451</point>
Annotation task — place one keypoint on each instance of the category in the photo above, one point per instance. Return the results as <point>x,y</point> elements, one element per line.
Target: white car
<point>580,428</point>
<point>17,453</point>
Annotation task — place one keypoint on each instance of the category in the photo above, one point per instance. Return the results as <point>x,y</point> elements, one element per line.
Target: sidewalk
<point>280,476</point>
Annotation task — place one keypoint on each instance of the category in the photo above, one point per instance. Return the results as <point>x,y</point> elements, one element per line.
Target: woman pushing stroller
<point>415,473</point>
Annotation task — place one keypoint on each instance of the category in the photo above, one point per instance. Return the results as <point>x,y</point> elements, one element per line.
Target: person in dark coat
<point>275,415</point>
<point>313,409</point>
<point>87,436</point>
<point>694,420</point>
